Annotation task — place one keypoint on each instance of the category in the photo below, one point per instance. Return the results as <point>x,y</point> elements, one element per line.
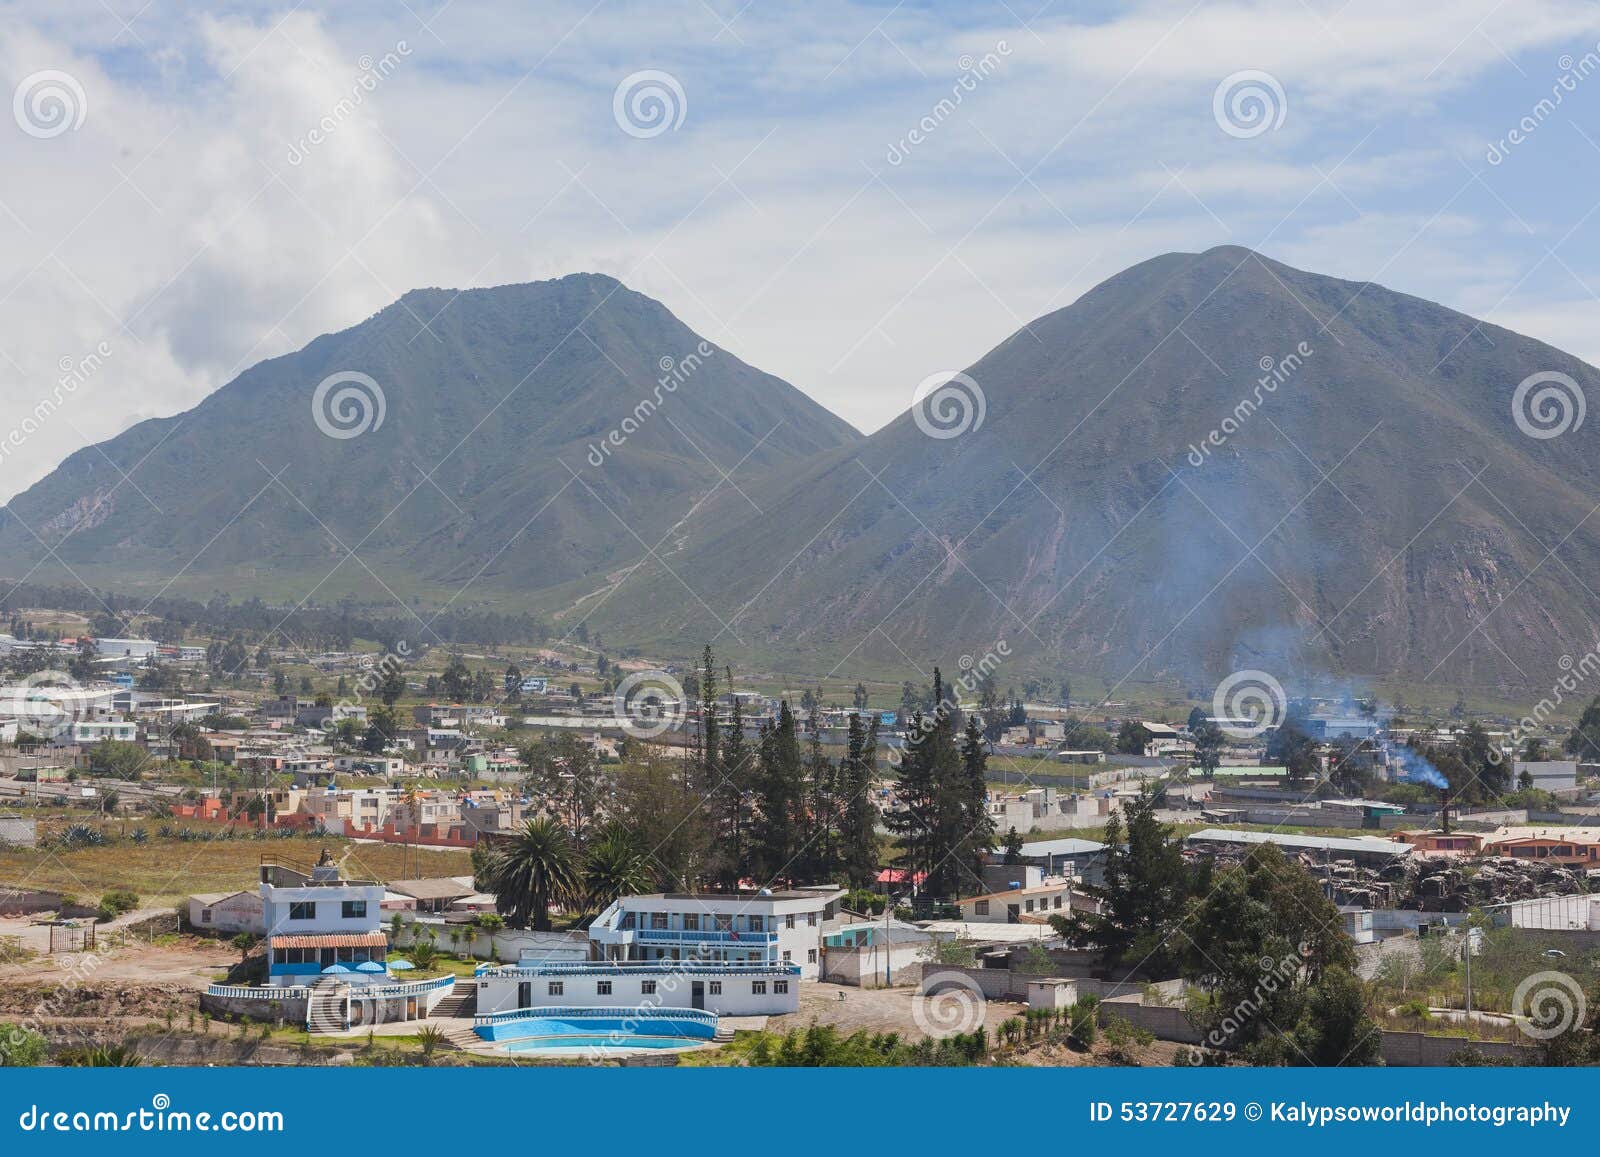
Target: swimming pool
<point>565,1034</point>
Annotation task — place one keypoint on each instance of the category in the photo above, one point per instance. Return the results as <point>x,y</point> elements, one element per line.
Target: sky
<point>852,196</point>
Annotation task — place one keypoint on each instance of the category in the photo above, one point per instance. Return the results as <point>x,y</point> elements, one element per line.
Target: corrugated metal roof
<point>1364,845</point>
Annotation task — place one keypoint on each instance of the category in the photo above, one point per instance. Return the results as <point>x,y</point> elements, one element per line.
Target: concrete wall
<point>499,993</point>
<point>1414,1048</point>
<point>864,967</point>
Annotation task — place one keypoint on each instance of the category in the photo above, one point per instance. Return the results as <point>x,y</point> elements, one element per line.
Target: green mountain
<point>528,436</point>
<point>1368,508</point>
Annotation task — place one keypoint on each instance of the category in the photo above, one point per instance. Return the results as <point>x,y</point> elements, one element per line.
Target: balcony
<point>718,936</point>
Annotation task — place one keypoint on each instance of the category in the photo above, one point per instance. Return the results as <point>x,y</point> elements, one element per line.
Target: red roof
<point>898,876</point>
<point>333,940</point>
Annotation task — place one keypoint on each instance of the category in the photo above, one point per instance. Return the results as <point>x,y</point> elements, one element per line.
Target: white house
<point>773,927</point>
<point>315,923</point>
<point>732,955</point>
<point>90,731</point>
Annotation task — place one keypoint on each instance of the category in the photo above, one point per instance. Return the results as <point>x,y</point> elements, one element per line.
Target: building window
<point>303,910</point>
<point>724,922</point>
<point>1029,907</point>
<point>558,987</point>
<point>786,955</point>
<point>647,988</point>
<point>811,955</point>
<point>980,907</point>
<point>758,988</point>
<point>691,921</point>
<point>714,987</point>
<point>811,919</point>
<point>603,988</point>
<point>627,922</point>
<point>1058,901</point>
<point>780,987</point>
<point>756,924</point>
<point>658,921</point>
<point>788,921</point>
<point>205,915</point>
<point>353,909</point>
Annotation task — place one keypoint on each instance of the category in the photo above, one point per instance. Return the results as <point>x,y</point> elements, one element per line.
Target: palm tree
<point>534,870</point>
<point>613,868</point>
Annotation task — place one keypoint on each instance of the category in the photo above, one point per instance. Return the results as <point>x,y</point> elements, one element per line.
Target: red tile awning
<point>333,940</point>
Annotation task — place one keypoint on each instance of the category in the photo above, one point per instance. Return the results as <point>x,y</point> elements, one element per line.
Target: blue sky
<point>191,225</point>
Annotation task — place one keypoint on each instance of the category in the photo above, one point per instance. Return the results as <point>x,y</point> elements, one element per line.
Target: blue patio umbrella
<point>369,966</point>
<point>334,968</point>
<point>401,966</point>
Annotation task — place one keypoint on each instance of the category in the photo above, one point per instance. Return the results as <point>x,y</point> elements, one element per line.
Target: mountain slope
<point>490,471</point>
<point>1374,511</point>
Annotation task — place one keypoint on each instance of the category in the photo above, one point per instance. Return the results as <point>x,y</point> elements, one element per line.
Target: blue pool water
<point>605,1041</point>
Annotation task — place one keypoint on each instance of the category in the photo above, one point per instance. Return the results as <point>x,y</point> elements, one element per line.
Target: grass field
<point>165,870</point>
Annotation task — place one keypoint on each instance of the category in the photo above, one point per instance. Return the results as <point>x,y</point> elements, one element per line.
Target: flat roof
<point>1062,847</point>
<point>1362,844</point>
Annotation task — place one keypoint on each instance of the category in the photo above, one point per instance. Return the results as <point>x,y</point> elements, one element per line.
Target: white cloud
<point>174,226</point>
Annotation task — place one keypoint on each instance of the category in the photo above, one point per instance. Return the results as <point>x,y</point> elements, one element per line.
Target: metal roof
<point>1361,844</point>
<point>1063,847</point>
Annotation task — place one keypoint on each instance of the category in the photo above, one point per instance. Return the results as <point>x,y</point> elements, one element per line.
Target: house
<point>317,921</point>
<point>1569,850</point>
<point>1015,905</point>
<point>1443,843</point>
<point>1366,851</point>
<point>768,926</point>
<point>89,732</point>
<point>228,913</point>
<point>432,895</point>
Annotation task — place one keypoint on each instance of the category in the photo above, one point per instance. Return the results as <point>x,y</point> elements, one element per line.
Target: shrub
<point>20,1047</point>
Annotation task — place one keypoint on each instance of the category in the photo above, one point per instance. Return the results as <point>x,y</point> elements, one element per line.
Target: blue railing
<point>646,968</point>
<point>681,936</point>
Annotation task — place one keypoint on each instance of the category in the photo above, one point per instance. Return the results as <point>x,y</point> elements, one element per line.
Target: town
<point>213,850</point>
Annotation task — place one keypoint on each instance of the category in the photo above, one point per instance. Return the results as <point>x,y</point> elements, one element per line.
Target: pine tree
<point>978,838</point>
<point>710,749</point>
<point>859,819</point>
<point>821,859</point>
<point>731,799</point>
<point>777,837</point>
